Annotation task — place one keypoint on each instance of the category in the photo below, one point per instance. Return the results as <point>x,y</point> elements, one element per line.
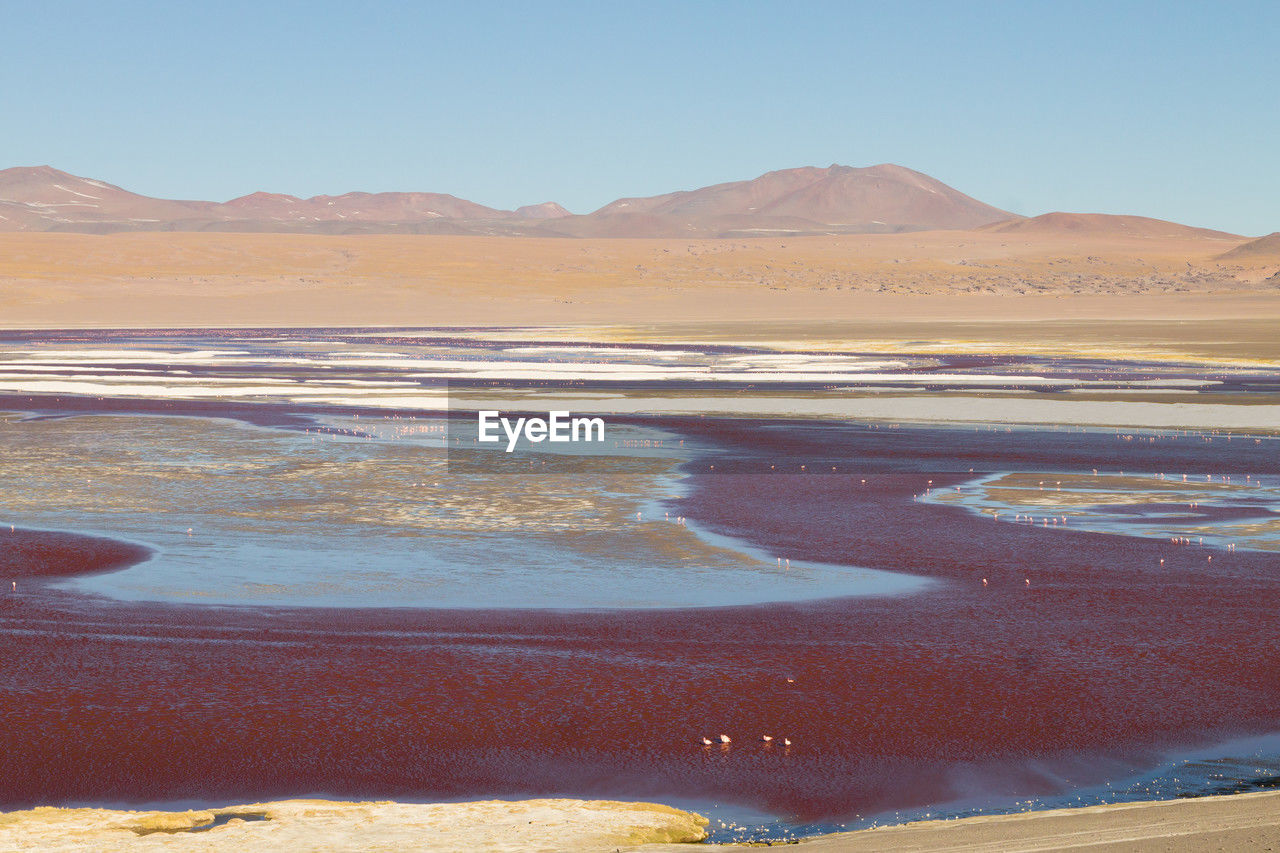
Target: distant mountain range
<point>804,201</point>
<point>1267,247</point>
<point>1102,223</point>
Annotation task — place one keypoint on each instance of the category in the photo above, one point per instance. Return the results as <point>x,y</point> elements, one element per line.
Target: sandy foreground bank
<point>1237,822</point>
<point>314,825</point>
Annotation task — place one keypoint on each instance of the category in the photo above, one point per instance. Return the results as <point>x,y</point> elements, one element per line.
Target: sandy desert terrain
<point>204,279</point>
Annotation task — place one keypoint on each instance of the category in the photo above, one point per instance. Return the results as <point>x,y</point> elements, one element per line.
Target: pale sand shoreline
<point>1231,822</point>
<point>521,826</point>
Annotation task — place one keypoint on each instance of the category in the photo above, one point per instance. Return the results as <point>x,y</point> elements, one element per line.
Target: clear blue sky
<point>1159,108</point>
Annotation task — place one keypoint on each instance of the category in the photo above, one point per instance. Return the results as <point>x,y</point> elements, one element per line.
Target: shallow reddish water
<point>964,690</point>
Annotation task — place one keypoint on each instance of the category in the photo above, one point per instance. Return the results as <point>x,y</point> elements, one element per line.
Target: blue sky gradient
<point>1162,109</point>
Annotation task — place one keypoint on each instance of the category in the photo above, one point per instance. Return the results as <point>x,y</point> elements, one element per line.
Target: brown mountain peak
<point>545,210</point>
